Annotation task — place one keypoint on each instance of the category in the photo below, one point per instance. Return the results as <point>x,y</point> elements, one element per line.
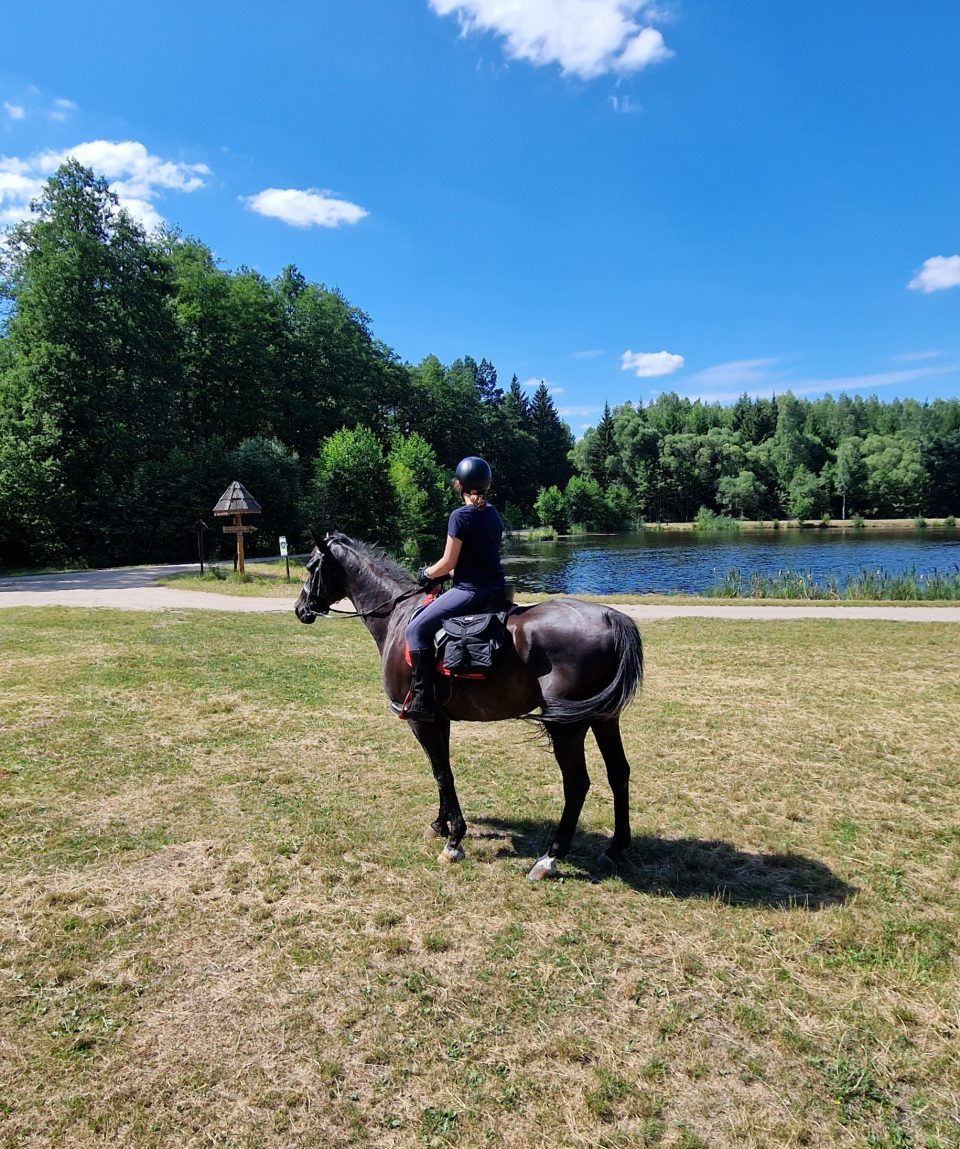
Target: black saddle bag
<point>471,643</point>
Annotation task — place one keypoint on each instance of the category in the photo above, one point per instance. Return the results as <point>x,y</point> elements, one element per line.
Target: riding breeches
<point>450,604</point>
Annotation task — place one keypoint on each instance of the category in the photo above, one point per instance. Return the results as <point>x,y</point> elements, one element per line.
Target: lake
<point>691,562</point>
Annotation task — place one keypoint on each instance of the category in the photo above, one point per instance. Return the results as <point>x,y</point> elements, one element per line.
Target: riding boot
<point>422,704</point>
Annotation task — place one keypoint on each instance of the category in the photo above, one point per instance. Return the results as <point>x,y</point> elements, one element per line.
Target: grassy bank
<point>220,924</point>
<point>267,579</point>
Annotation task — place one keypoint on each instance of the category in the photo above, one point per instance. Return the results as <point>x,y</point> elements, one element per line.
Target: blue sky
<point>619,198</point>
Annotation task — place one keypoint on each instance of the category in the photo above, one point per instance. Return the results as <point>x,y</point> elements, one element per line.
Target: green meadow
<point>220,923</point>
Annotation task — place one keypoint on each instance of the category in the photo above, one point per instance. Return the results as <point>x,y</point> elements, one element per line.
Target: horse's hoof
<point>545,867</point>
<point>429,834</point>
<point>450,854</point>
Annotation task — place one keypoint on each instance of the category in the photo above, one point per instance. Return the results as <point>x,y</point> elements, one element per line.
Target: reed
<point>869,585</point>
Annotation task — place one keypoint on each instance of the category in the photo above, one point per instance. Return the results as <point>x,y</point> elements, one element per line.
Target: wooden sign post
<point>235,502</point>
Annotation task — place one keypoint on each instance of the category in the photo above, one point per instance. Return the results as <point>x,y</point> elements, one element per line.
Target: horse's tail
<point>628,650</point>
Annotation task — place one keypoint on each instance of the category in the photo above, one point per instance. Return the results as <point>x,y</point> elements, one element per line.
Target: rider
<point>472,556</point>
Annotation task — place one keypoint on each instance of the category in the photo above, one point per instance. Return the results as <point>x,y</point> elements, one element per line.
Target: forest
<point>139,377</point>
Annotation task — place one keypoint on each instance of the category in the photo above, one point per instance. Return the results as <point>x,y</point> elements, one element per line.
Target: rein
<point>386,607</point>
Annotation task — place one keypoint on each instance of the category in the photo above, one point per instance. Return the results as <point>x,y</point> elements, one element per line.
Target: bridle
<point>318,604</point>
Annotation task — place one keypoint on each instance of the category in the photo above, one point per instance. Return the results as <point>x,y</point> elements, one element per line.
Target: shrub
<point>708,520</point>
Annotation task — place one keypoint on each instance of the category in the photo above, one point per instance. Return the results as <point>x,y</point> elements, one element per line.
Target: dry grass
<point>221,926</point>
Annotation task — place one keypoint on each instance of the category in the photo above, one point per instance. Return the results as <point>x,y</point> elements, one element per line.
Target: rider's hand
<point>424,580</point>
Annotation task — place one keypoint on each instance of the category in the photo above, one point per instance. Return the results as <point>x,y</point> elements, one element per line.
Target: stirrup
<point>401,710</point>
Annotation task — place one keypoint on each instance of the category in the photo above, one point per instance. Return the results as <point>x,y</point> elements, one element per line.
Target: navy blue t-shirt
<point>480,530</point>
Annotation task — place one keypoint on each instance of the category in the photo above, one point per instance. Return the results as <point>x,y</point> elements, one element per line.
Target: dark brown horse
<point>572,666</point>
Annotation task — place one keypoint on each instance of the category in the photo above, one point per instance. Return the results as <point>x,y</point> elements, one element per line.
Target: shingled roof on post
<point>236,499</point>
<point>235,502</point>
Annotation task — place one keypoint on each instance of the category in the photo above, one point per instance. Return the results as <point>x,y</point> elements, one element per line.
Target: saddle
<point>469,645</point>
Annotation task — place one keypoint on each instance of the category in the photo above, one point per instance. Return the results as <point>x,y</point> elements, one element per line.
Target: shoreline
<point>545,533</point>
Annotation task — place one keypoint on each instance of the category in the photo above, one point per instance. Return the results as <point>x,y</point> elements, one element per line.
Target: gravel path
<point>135,589</point>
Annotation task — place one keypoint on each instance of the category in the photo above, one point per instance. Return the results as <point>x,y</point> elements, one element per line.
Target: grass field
<point>220,924</point>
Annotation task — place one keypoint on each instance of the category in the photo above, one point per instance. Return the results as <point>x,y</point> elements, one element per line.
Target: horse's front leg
<point>568,750</point>
<point>434,737</point>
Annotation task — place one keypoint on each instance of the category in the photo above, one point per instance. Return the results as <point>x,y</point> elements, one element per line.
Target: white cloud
<point>937,274</point>
<point>587,38</point>
<point>310,208</point>
<point>595,354</point>
<point>136,176</point>
<point>582,412</point>
<point>625,106</point>
<point>742,373</point>
<point>62,110</point>
<point>914,356</point>
<point>833,385</point>
<point>14,111</point>
<point>650,364</point>
<point>17,189</point>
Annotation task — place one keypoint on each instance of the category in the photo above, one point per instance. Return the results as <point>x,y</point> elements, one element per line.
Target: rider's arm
<point>445,565</point>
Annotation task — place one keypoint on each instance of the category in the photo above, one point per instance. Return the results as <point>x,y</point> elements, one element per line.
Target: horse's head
<point>324,583</point>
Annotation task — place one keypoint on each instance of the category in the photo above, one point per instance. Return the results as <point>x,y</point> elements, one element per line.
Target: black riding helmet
<point>474,474</point>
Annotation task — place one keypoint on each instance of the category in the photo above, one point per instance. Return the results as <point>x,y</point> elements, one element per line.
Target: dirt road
<point>135,588</point>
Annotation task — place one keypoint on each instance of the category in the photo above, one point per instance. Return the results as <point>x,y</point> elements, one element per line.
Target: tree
<point>806,495</point>
<point>896,482</point>
<point>585,503</point>
<point>639,458</point>
<point>740,494</point>
<point>553,438</point>
<point>271,473</point>
<point>351,491</point>
<point>518,406</point>
<point>848,471</point>
<point>422,493</point>
<point>89,396</point>
<point>596,453</point>
<point>551,509</point>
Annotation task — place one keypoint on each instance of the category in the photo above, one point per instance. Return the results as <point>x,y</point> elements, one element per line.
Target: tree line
<point>778,458</point>
<point>138,377</point>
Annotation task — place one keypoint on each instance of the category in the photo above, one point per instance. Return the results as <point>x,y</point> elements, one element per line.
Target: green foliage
<point>551,509</point>
<point>271,473</point>
<point>351,490</point>
<point>707,520</point>
<point>585,503</point>
<point>137,374</point>
<point>806,495</point>
<point>422,492</point>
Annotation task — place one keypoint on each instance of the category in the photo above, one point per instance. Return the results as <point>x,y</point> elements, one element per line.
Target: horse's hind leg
<point>434,737</point>
<point>567,744</point>
<point>610,743</point>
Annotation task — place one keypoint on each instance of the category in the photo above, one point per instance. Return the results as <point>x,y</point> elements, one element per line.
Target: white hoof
<point>545,867</point>
<point>430,834</point>
<point>450,854</point>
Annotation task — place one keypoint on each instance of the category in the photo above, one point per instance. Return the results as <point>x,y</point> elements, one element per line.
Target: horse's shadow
<point>681,867</point>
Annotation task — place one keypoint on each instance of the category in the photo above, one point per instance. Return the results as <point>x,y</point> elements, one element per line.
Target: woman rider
<point>472,556</point>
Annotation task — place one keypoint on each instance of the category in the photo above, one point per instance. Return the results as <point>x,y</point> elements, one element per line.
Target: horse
<point>578,663</point>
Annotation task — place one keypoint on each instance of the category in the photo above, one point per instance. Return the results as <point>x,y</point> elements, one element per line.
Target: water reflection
<point>661,562</point>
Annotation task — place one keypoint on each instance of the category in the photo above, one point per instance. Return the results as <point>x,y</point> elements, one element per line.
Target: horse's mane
<point>376,557</point>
